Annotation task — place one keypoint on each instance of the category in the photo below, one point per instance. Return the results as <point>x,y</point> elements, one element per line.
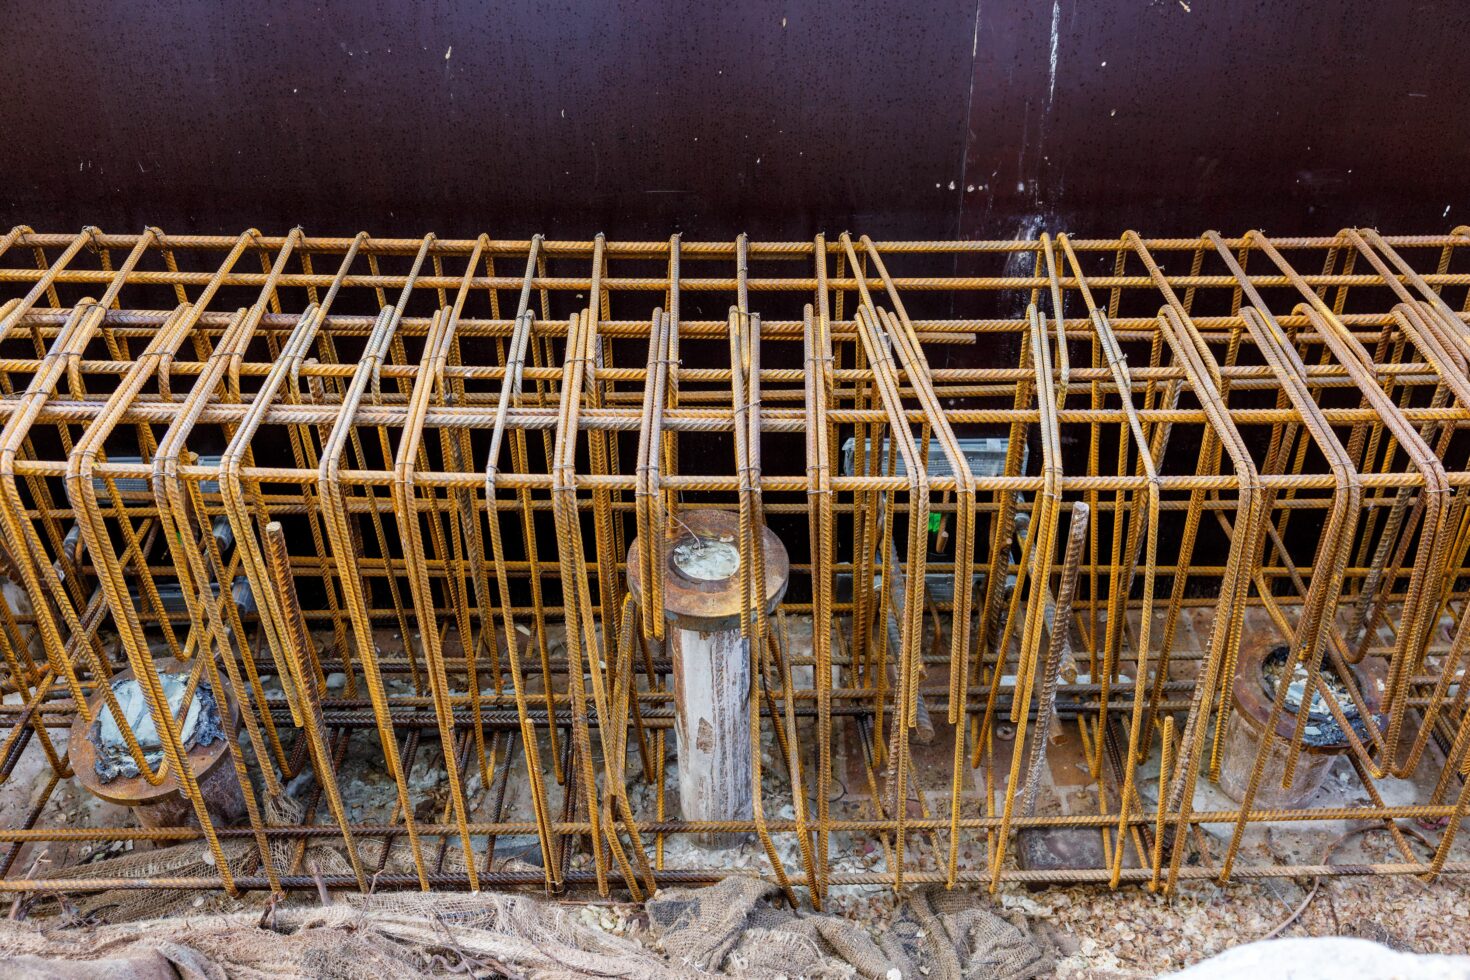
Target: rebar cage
<point>380,493</point>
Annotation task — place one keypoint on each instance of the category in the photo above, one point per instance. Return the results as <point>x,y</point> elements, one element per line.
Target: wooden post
<point>712,695</point>
<point>712,662</point>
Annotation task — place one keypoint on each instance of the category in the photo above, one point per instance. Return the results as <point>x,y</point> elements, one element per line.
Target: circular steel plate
<point>135,790</point>
<point>702,563</point>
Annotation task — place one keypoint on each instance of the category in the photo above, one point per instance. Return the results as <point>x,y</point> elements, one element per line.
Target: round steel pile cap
<point>1253,699</point>
<point>135,790</point>
<point>702,569</point>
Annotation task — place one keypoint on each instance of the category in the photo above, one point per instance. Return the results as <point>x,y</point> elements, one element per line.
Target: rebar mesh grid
<point>388,486</point>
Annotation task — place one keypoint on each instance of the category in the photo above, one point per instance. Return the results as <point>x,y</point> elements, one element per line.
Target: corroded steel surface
<point>929,118</point>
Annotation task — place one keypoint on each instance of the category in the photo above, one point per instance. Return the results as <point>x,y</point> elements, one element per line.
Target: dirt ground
<point>1129,933</point>
<point>1095,932</point>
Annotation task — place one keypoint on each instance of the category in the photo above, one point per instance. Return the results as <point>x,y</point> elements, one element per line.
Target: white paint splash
<point>969,108</point>
<point>1020,264</point>
<point>1056,23</point>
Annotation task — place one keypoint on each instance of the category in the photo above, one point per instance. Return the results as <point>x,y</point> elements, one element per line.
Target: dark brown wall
<point>781,119</point>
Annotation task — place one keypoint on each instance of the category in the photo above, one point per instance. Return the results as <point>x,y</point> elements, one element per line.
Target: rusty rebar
<point>388,485</point>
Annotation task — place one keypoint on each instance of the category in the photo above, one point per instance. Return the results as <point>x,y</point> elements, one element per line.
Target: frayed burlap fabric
<point>360,937</point>
<point>734,928</point>
<point>986,945</point>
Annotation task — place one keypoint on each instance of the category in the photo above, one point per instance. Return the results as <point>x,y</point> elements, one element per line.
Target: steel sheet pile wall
<point>388,485</point>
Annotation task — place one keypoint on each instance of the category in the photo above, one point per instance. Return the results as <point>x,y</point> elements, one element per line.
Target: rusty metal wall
<point>779,119</point>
